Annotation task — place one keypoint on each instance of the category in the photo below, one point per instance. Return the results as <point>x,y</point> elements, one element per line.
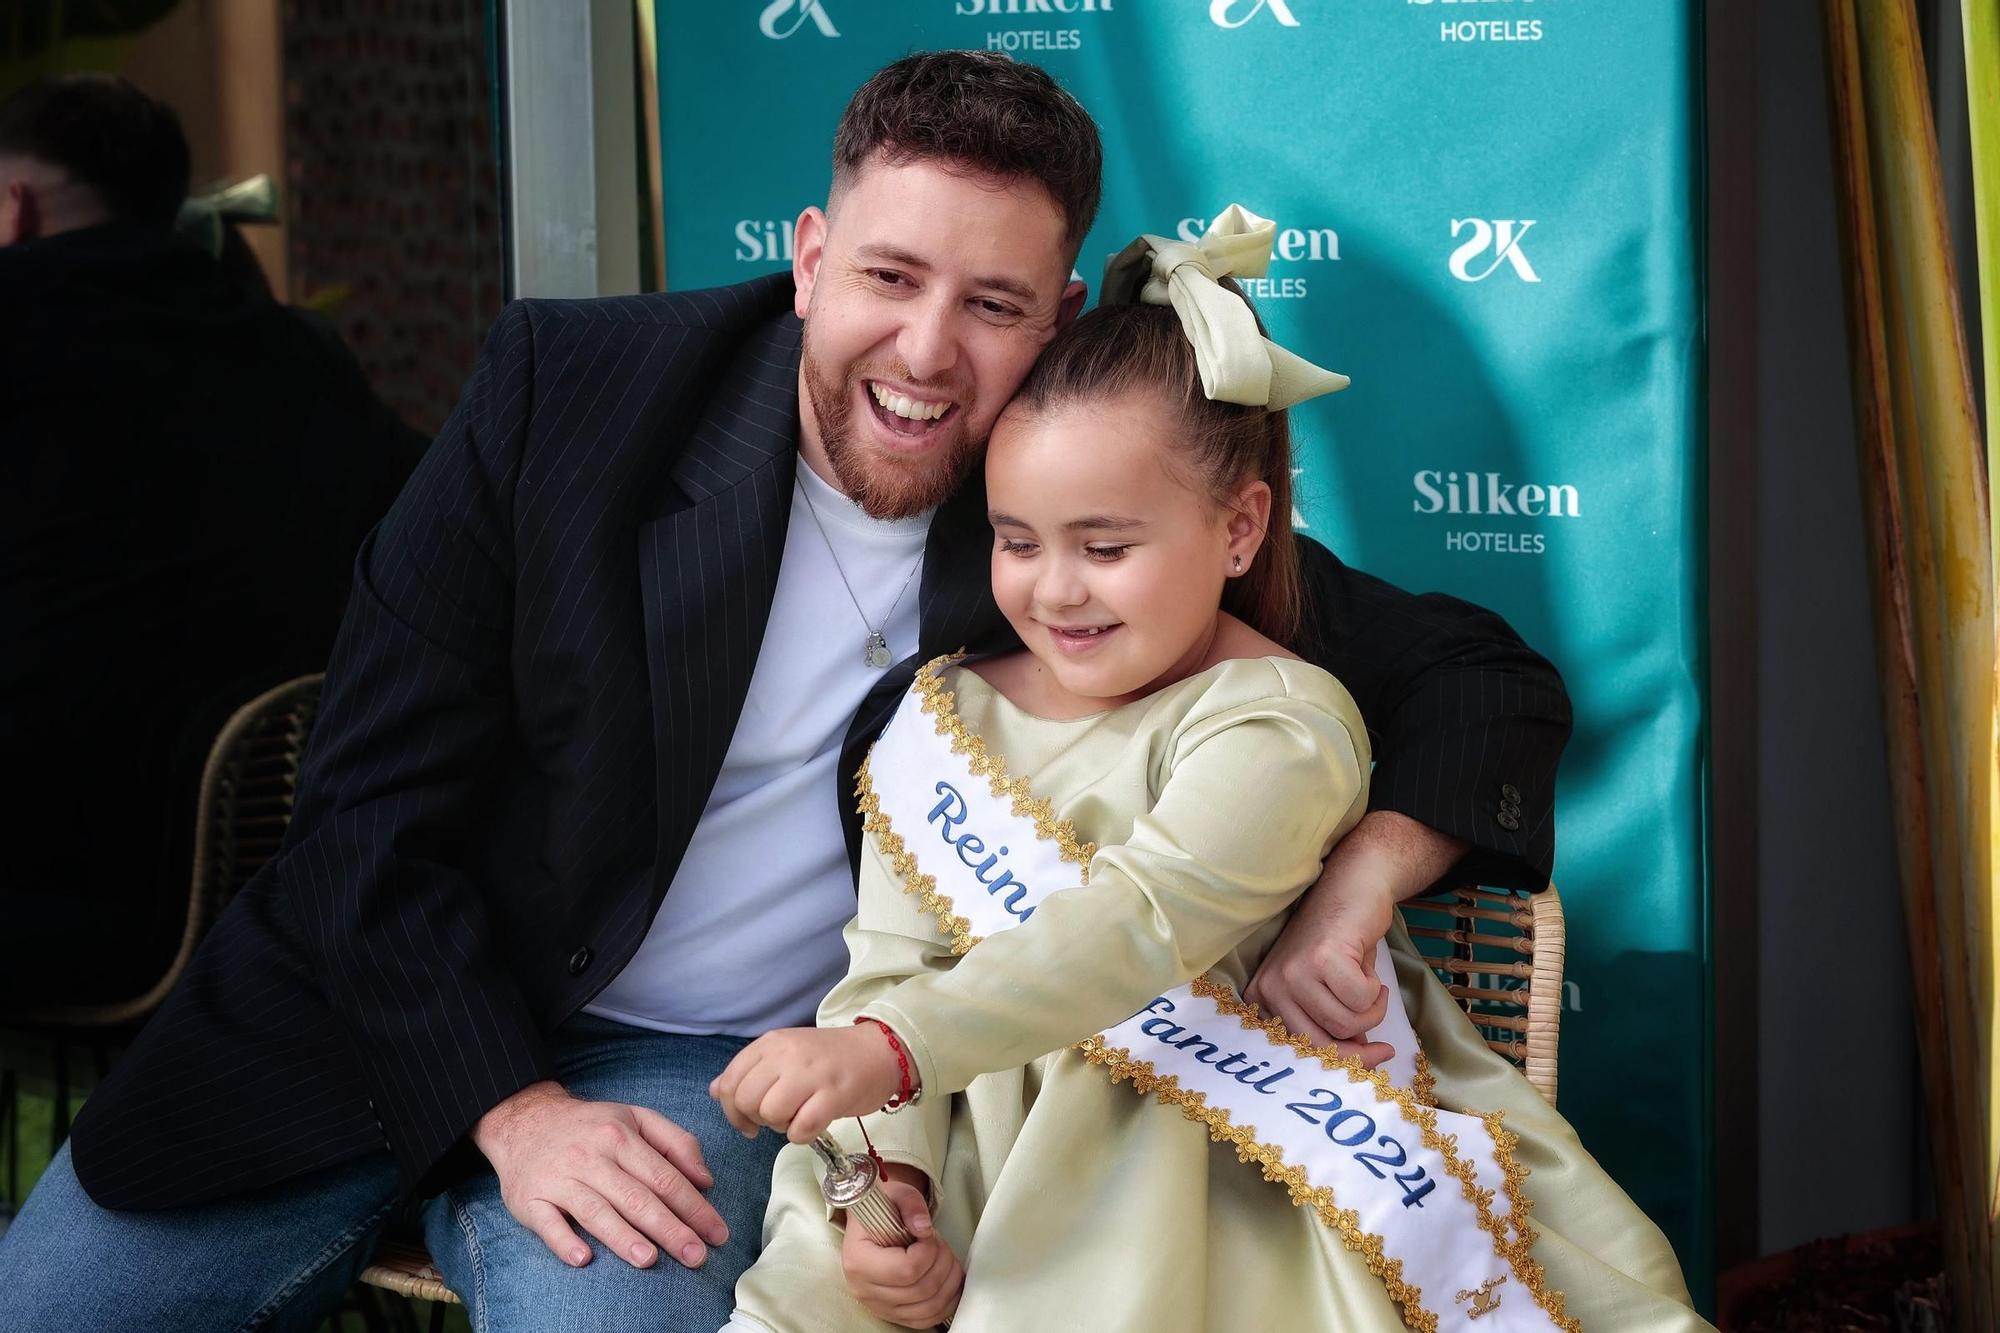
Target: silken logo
<point>1290,243</point>
<point>997,8</point>
<point>1502,236</point>
<point>773,25</point>
<point>1440,492</point>
<point>1236,13</point>
<point>763,240</point>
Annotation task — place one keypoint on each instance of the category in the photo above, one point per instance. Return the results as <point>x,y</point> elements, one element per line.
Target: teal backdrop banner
<point>1489,215</point>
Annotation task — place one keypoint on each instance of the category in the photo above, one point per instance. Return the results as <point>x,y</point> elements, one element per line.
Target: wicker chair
<point>246,805</point>
<point>1500,954</point>
<point>245,802</point>
<point>405,1268</point>
<point>240,818</point>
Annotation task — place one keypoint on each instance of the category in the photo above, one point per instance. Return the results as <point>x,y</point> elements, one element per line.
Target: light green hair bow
<point>1238,364</point>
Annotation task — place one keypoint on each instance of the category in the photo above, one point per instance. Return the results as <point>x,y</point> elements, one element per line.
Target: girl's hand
<point>1319,977</point>
<point>917,1286</point>
<point>800,1080</point>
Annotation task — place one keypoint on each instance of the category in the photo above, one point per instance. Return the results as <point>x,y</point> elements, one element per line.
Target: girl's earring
<point>1236,563</point>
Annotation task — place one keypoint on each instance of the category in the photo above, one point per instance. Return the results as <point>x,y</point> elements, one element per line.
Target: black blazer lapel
<point>707,571</point>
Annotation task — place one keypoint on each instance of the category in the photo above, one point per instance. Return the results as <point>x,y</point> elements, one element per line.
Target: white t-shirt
<point>748,938</point>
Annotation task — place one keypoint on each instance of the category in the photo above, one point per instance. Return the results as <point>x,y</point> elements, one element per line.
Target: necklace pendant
<point>876,651</point>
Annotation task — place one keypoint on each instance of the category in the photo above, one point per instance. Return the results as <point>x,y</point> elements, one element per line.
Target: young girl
<point>1077,855</point>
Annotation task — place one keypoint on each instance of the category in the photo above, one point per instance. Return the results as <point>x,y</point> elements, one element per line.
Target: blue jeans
<point>281,1257</point>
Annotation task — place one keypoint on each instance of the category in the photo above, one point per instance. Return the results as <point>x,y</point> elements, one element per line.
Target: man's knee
<point>510,1278</point>
<point>67,1262</point>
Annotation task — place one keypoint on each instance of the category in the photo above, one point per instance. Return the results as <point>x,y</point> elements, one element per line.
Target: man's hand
<point>917,1286</point>
<point>800,1080</point>
<point>1319,978</point>
<point>630,1176</point>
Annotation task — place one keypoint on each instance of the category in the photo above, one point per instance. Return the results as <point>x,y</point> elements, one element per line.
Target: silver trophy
<point>853,1181</point>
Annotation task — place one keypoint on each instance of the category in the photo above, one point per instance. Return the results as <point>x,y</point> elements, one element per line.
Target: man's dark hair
<point>980,110</point>
<point>105,132</point>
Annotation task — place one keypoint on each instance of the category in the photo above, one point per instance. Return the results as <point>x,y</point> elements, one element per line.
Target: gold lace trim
<point>1417,1106</point>
<point>919,885</point>
<point>1346,1223</point>
<point>1515,1249</point>
<point>943,704</point>
<point>1424,1085</point>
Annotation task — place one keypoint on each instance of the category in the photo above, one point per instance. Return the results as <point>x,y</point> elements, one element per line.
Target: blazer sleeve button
<point>1507,821</point>
<point>579,961</point>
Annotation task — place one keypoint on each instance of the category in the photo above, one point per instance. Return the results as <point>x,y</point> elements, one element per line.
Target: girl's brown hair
<point>1124,348</point>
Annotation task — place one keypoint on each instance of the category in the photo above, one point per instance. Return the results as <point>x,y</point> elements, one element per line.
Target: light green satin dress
<point>1074,1202</point>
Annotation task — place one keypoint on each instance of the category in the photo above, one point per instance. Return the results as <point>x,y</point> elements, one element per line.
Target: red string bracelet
<point>881,1166</point>
<point>906,1090</point>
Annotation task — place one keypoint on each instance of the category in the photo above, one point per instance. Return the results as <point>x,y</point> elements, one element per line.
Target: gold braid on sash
<point>919,885</point>
<point>1346,1223</point>
<point>1515,1249</point>
<point>1424,1085</point>
<point>943,704</point>
<point>1416,1106</point>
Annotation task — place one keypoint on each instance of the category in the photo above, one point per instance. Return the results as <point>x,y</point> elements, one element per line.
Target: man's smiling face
<point>926,295</point>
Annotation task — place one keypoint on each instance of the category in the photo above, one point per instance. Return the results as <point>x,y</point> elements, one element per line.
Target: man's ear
<point>1071,304</point>
<point>808,248</point>
<point>20,215</point>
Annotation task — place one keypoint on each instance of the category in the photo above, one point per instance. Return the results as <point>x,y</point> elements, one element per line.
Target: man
<point>571,831</point>
<point>186,472</point>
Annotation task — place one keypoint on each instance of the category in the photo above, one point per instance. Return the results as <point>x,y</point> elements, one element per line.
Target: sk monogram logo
<point>1220,12</point>
<point>801,10</point>
<point>1504,236</point>
<point>1482,1297</point>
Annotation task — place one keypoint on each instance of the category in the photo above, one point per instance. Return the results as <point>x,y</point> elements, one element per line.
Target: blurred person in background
<point>186,471</point>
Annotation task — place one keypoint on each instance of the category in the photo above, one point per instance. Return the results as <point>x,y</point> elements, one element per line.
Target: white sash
<point>1431,1198</point>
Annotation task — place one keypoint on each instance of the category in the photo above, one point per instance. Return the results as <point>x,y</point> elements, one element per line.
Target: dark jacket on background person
<point>186,472</point>
<point>550,640</point>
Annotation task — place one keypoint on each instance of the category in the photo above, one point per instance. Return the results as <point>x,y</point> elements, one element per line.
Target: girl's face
<point>1108,558</point>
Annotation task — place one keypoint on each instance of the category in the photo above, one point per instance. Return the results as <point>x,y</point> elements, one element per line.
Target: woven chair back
<point>245,804</point>
<point>1500,954</point>
<point>247,791</point>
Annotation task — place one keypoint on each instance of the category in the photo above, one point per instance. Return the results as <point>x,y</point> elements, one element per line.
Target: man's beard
<point>884,485</point>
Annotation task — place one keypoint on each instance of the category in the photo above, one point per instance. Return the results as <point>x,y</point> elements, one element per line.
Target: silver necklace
<point>875,648</point>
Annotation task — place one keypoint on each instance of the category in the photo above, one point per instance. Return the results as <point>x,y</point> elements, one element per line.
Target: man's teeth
<point>908,407</point>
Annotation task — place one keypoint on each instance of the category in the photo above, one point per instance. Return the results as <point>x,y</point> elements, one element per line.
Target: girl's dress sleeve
<point>1256,792</point>
<point>891,940</point>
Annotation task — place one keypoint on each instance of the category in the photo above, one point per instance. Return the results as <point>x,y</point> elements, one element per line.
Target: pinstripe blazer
<point>550,640</point>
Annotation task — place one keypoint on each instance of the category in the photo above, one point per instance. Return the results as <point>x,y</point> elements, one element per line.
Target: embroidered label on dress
<point>1484,1302</point>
